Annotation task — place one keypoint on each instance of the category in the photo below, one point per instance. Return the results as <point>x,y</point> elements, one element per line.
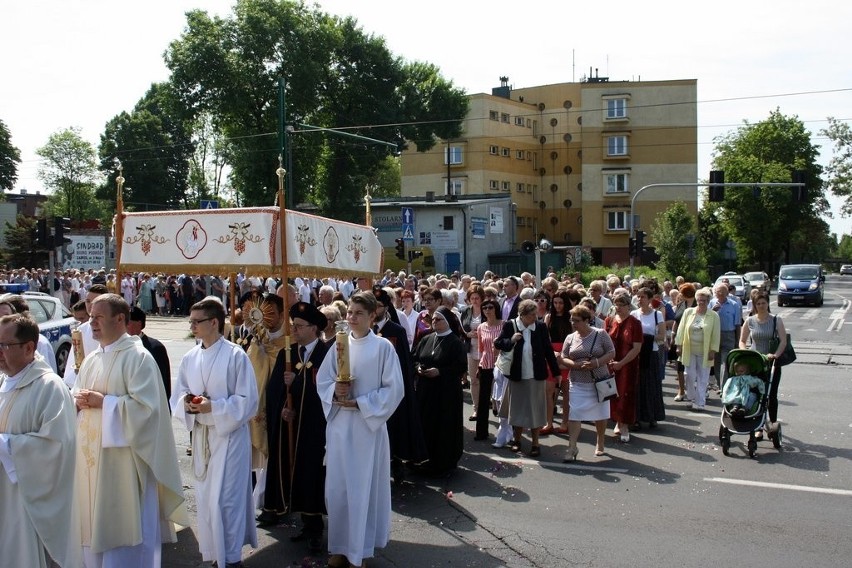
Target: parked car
<point>846,269</point>
<point>759,280</point>
<point>740,283</point>
<point>801,283</point>
<point>55,322</point>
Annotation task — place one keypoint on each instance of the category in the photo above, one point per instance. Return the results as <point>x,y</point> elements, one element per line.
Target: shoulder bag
<point>605,386</point>
<point>504,359</point>
<point>789,354</point>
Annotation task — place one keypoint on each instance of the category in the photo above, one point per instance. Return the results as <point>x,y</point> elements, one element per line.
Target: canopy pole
<point>288,362</point>
<point>119,219</point>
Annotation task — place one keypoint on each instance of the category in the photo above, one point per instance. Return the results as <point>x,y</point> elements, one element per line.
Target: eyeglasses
<point>487,307</point>
<point>196,322</point>
<point>542,300</point>
<point>6,346</point>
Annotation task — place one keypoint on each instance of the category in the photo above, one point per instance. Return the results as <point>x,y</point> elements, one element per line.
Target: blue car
<point>801,284</point>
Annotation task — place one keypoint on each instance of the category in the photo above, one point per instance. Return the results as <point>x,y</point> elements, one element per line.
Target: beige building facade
<point>571,156</point>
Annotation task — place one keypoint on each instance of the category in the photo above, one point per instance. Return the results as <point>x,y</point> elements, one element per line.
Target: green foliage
<point>839,169</point>
<point>600,272</point>
<point>69,170</point>
<point>154,149</point>
<point>844,249</point>
<point>336,76</point>
<point>20,248</point>
<point>674,235</point>
<point>765,227</point>
<point>10,157</point>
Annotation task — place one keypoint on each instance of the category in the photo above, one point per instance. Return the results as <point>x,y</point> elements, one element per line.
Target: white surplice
<point>357,482</point>
<point>37,436</point>
<point>221,446</point>
<point>90,345</point>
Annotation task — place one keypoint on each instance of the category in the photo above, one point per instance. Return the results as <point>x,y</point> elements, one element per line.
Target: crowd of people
<point>323,428</point>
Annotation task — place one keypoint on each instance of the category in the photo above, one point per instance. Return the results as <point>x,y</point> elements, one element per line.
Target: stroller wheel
<point>725,440</point>
<point>752,447</point>
<point>776,438</point>
<point>723,433</point>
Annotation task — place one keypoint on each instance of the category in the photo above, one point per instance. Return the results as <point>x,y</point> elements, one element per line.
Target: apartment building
<point>571,156</point>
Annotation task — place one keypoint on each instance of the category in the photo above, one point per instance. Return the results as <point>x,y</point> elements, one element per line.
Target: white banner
<point>218,241</point>
<point>84,252</point>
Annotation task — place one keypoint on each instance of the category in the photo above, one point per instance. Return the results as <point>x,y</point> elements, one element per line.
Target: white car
<point>846,269</point>
<point>55,322</point>
<point>741,286</point>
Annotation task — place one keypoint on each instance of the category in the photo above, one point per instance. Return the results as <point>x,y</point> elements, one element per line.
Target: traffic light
<point>799,193</point>
<point>42,236</point>
<point>640,242</point>
<point>400,249</point>
<point>717,192</point>
<point>631,247</point>
<point>414,254</point>
<point>61,228</point>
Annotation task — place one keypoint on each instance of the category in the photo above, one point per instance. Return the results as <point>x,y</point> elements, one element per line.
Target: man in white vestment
<point>16,304</point>
<point>357,486</point>
<point>37,437</point>
<point>216,397</point>
<point>128,485</point>
<point>89,342</point>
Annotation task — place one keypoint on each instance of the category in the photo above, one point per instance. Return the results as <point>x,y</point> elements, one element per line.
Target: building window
<point>520,187</point>
<point>616,145</point>
<point>519,154</point>
<point>529,156</point>
<point>456,186</point>
<point>448,222</point>
<point>519,121</point>
<point>493,115</point>
<point>616,220</point>
<point>504,117</point>
<point>493,150</point>
<point>522,221</point>
<point>616,108</point>
<point>529,188</point>
<point>616,183</point>
<point>455,153</point>
<point>507,186</point>
<point>505,152</point>
<point>529,123</point>
<point>493,184</point>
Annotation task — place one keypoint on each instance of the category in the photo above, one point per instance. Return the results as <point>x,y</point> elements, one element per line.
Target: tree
<point>154,149</point>
<point>765,223</point>
<point>336,76</point>
<point>844,249</point>
<point>70,171</point>
<point>839,169</point>
<point>19,249</point>
<point>675,237</point>
<point>10,157</point>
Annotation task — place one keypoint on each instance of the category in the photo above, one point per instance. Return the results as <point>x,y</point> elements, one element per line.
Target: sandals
<point>515,446</point>
<point>535,451</point>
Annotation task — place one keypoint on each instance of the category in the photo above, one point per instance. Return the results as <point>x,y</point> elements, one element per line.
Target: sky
<point>81,62</point>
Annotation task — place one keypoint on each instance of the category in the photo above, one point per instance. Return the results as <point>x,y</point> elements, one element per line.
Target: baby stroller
<point>751,420</point>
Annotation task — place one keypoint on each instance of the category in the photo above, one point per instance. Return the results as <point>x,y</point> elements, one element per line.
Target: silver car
<point>759,280</point>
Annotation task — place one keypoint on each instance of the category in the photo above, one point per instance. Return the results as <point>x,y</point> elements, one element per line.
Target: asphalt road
<point>668,498</point>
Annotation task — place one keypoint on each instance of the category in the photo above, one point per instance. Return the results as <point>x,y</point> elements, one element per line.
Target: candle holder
<point>341,337</point>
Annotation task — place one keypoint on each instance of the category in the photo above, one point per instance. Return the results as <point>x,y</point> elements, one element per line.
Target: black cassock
<point>306,493</point>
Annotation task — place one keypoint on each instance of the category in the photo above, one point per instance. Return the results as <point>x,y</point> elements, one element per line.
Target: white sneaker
<point>679,398</point>
<point>694,406</point>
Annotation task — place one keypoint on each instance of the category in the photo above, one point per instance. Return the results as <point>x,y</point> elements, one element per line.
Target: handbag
<point>789,354</point>
<point>504,359</point>
<point>605,386</point>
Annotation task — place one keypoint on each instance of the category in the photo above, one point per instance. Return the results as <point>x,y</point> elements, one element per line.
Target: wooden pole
<point>288,360</point>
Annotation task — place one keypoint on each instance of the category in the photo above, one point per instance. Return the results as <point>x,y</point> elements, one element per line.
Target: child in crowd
<point>742,392</point>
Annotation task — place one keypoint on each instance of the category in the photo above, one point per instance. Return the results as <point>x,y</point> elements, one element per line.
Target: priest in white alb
<point>357,483</point>
<point>37,435</point>
<point>89,342</point>
<point>128,487</point>
<point>216,397</point>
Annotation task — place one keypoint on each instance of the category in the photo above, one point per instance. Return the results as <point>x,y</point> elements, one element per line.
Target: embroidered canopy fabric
<point>216,241</point>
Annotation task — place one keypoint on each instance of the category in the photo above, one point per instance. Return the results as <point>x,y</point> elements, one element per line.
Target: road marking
<point>813,313</point>
<point>789,487</point>
<point>839,315</point>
